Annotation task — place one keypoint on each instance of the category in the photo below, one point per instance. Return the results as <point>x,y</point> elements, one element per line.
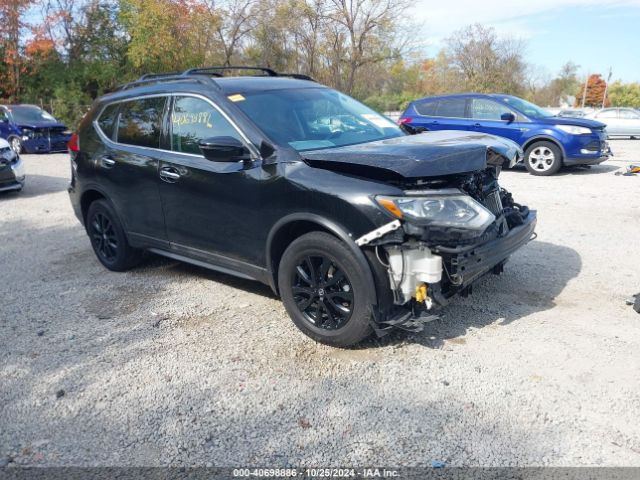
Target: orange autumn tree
<point>12,25</point>
<point>596,88</point>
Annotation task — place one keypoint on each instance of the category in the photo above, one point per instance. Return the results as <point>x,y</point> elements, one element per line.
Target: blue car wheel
<point>15,144</point>
<point>543,158</point>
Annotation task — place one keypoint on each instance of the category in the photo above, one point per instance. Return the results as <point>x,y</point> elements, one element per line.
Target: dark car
<point>12,174</point>
<point>358,226</point>
<point>548,141</point>
<point>30,129</point>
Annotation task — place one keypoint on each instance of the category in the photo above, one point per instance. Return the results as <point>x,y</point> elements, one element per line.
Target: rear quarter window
<point>106,120</point>
<point>140,122</point>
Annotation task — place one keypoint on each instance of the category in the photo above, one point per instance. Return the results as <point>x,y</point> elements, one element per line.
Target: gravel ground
<point>173,364</point>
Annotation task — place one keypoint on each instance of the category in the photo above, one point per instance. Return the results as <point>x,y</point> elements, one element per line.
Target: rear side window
<point>452,107</point>
<point>194,119</point>
<point>107,119</point>
<point>426,108</point>
<point>140,122</point>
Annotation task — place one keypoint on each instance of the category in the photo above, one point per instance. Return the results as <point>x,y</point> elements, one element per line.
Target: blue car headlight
<point>27,133</point>
<point>574,129</point>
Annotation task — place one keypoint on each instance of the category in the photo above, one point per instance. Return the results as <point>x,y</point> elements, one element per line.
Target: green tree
<point>624,94</point>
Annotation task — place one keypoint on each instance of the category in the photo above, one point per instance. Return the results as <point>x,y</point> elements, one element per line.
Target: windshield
<point>26,114</point>
<point>314,118</point>
<point>528,108</point>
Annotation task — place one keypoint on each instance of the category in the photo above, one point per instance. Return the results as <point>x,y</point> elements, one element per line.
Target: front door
<point>209,206</point>
<point>486,115</point>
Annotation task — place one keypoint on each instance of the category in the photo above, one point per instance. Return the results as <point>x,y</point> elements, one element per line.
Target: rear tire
<point>324,290</point>
<point>108,239</point>
<point>543,158</point>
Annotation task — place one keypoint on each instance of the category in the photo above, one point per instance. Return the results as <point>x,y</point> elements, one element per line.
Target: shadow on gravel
<point>533,278</point>
<point>81,377</point>
<point>250,286</point>
<point>573,170</point>
<point>36,185</point>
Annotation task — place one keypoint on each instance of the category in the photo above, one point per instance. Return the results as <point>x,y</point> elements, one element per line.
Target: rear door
<point>486,115</point>
<point>128,164</point>
<point>450,114</point>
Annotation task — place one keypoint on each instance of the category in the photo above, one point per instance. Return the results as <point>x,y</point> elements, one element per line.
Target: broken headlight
<point>444,208</point>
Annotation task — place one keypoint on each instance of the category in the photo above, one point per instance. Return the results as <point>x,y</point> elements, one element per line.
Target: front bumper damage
<point>423,277</point>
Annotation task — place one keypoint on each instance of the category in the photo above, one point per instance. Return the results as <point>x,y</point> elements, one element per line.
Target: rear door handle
<point>169,174</point>
<point>477,125</point>
<point>107,162</point>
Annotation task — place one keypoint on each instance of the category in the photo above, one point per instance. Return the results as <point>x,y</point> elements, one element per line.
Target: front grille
<point>493,203</point>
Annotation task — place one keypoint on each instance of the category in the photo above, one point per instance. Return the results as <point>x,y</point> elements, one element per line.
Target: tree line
<point>64,53</point>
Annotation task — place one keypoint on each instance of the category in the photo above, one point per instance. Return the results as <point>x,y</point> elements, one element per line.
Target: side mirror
<point>508,117</point>
<point>224,149</point>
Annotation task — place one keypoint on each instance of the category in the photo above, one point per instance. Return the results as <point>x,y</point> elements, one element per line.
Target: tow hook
<point>422,296</point>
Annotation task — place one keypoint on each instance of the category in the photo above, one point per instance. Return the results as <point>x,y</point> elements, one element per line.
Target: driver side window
<point>483,109</point>
<point>194,119</point>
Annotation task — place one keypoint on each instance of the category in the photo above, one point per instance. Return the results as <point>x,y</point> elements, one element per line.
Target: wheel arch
<point>545,138</point>
<point>87,198</point>
<point>288,228</point>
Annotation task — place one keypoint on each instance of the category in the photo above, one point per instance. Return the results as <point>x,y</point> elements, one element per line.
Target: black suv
<point>358,225</point>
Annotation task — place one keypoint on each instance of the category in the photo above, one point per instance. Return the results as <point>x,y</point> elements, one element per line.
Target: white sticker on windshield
<point>377,120</point>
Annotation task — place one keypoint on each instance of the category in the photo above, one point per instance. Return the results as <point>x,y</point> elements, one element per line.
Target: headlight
<point>444,209</point>
<point>574,129</point>
<point>28,133</point>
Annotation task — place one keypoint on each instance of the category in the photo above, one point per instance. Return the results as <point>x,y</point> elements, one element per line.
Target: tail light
<point>74,143</point>
<point>404,120</point>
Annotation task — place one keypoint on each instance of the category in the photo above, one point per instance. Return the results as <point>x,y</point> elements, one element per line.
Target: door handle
<point>477,125</point>
<point>107,162</point>
<point>169,174</point>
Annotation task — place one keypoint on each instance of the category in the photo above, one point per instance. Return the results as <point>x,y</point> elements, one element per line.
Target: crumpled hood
<point>429,154</point>
<point>34,125</point>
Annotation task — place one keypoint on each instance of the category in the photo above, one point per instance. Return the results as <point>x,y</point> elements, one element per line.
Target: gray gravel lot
<point>173,364</point>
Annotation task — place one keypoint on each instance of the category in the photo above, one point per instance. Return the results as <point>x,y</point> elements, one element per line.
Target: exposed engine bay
<point>429,263</point>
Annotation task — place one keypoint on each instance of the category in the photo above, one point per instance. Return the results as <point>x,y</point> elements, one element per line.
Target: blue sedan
<point>548,141</point>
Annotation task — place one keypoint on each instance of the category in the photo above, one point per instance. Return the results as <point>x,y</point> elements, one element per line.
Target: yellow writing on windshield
<point>192,118</point>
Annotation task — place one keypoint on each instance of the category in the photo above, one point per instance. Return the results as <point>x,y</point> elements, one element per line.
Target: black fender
<point>329,225</point>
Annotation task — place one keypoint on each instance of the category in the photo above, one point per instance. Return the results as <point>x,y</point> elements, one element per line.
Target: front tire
<point>108,239</point>
<point>16,144</point>
<point>324,290</point>
<point>543,159</point>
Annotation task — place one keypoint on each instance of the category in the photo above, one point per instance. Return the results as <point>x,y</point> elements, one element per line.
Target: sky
<point>595,34</point>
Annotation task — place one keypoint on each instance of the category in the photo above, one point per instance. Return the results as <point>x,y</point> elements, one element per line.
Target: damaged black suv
<point>359,226</point>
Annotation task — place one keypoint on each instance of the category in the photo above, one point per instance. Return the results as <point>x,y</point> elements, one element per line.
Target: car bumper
<point>476,261</point>
<point>57,144</point>
<point>14,178</point>
<point>590,150</point>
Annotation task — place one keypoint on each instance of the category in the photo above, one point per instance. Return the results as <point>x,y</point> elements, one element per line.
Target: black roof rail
<point>213,70</point>
<point>297,76</point>
<point>204,74</point>
<point>159,77</point>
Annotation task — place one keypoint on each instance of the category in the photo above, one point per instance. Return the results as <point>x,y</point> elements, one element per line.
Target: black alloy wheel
<point>322,292</point>
<point>103,237</point>
<point>108,238</point>
<point>327,289</point>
